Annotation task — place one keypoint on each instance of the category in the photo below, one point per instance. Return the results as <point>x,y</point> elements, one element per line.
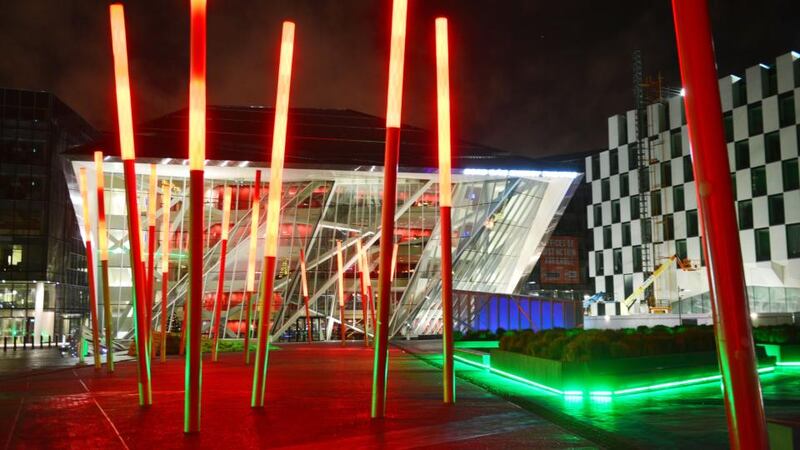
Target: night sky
<point>534,77</point>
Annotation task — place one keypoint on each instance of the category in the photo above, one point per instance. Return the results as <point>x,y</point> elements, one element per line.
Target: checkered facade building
<point>760,114</point>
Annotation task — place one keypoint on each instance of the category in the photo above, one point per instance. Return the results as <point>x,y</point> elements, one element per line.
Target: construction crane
<point>684,265</point>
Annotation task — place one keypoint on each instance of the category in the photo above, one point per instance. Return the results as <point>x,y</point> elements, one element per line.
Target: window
<point>598,215</point>
<point>669,228</point>
<point>739,93</point>
<point>680,248</point>
<point>770,81</point>
<point>742,154</point>
<point>758,179</point>
<point>626,234</point>
<point>793,238</point>
<point>627,281</point>
<point>676,143</point>
<point>633,156</point>
<point>772,146</point>
<point>677,198</point>
<point>786,109</point>
<point>775,205</point>
<point>637,258</point>
<point>655,203</point>
<point>733,186</point>
<point>688,169</point>
<point>762,244</point>
<point>745,214</point>
<point>613,160</point>
<point>702,252</point>
<point>624,186</point>
<point>644,180</point>
<point>755,119</point>
<point>666,174</point>
<point>634,207</point>
<point>607,236</point>
<point>615,212</point>
<point>598,263</point>
<point>595,167</point>
<point>691,223</point>
<point>647,230</point>
<point>727,122</point>
<point>610,286</point>
<point>605,189</point>
<point>791,176</point>
<point>617,260</point>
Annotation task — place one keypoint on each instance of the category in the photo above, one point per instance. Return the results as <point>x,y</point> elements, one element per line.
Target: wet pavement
<point>684,417</point>
<point>317,396</point>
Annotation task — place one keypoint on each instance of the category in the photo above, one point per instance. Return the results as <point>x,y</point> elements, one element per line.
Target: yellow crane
<point>631,299</point>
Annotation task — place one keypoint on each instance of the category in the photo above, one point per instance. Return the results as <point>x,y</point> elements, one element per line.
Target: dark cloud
<point>533,77</point>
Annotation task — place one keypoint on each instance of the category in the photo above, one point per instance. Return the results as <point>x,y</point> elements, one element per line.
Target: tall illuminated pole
<point>273,211</point>
<point>197,155</point>
<point>304,287</point>
<point>251,262</point>
<point>741,389</point>
<point>340,286</point>
<point>166,205</point>
<point>393,108</point>
<point>90,268</point>
<point>362,283</point>
<point>226,218</point>
<point>125,119</point>
<point>152,195</point>
<point>102,241</point>
<point>445,203</point>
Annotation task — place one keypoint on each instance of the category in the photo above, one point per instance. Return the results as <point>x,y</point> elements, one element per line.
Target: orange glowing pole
<point>445,203</point>
<point>391,154</point>
<point>166,206</point>
<point>90,268</point>
<point>152,195</point>
<point>304,286</point>
<point>369,289</point>
<point>251,263</point>
<point>273,211</point>
<point>125,119</point>
<point>395,248</point>
<point>197,155</point>
<point>226,219</point>
<point>363,289</point>
<point>102,241</point>
<point>340,278</point>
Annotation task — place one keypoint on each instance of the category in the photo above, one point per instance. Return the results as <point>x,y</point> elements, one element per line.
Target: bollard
<point>5,343</point>
<point>15,343</point>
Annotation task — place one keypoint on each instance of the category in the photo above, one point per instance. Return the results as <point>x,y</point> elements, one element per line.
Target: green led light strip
<point>788,364</point>
<point>654,387</point>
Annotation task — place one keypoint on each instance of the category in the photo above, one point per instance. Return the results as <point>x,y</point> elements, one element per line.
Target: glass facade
<point>42,258</point>
<point>500,221</point>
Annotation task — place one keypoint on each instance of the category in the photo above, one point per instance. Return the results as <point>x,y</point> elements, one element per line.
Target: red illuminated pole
<point>90,268</point>
<point>273,212</point>
<point>226,217</point>
<point>340,278</point>
<point>445,203</point>
<point>125,119</point>
<point>197,155</point>
<point>152,195</point>
<point>166,205</point>
<point>741,388</point>
<point>102,241</point>
<point>362,283</point>
<point>304,286</point>
<point>251,263</point>
<point>391,155</point>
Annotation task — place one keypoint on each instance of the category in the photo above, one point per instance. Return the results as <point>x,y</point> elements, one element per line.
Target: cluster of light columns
<point>273,211</point>
<point>102,241</point>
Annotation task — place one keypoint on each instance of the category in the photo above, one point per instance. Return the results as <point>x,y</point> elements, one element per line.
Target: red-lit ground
<point>317,396</point>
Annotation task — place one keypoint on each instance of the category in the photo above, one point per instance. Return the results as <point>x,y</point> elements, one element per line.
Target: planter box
<point>784,353</point>
<point>474,356</point>
<point>476,344</point>
<point>611,374</point>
